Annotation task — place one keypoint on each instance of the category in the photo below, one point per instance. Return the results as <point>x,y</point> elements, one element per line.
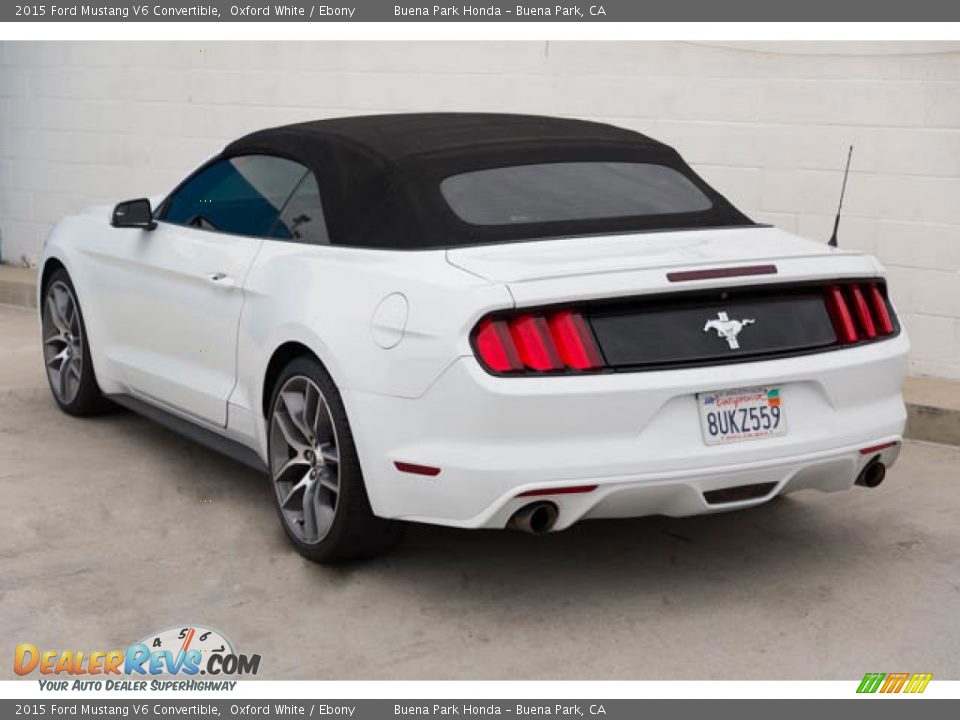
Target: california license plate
<point>743,414</point>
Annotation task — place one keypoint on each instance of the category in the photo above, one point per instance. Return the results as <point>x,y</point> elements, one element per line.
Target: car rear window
<point>561,192</point>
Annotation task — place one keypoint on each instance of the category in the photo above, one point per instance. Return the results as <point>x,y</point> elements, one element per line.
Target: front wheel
<point>66,350</point>
<point>319,488</point>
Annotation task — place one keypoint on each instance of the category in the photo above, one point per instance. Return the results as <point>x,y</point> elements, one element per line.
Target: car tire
<point>66,350</point>
<point>315,472</point>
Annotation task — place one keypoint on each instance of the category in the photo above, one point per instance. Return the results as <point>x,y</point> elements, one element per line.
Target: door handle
<point>221,279</point>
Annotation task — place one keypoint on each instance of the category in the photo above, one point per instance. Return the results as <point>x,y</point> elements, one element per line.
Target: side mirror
<point>133,214</point>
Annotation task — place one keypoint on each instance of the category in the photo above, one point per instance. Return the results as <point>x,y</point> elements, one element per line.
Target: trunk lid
<point>539,260</point>
<point>636,264</point>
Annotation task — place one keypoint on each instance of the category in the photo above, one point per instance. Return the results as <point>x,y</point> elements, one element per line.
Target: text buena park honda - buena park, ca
<point>559,709</point>
<point>558,11</point>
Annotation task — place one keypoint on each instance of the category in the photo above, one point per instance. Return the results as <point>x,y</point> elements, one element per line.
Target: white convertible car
<point>476,320</point>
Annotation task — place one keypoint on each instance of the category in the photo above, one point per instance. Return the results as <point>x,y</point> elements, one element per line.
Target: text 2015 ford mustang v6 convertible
<point>476,320</point>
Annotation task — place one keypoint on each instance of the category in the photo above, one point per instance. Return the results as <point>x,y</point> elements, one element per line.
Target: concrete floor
<point>111,528</point>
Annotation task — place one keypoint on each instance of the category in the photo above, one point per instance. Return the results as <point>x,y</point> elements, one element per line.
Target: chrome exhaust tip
<point>536,518</point>
<point>872,475</point>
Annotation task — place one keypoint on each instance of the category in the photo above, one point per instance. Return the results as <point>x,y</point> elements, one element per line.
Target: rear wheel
<point>319,488</point>
<point>66,351</point>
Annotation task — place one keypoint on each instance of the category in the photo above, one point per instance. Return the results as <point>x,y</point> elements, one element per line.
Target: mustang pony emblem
<point>727,328</point>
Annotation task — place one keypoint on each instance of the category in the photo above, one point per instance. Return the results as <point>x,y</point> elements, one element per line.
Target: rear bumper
<point>636,436</point>
<point>682,493</point>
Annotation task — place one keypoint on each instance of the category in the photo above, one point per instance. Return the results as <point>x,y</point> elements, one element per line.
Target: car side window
<point>301,219</point>
<point>241,195</point>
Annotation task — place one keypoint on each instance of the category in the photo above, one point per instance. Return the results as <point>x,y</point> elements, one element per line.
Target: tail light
<point>557,341</point>
<point>578,349</point>
<point>840,316</point>
<point>862,312</point>
<point>858,312</point>
<point>880,311</point>
<point>549,342</point>
<point>537,349</point>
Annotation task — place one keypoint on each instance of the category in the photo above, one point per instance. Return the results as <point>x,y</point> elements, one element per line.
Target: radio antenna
<point>832,242</point>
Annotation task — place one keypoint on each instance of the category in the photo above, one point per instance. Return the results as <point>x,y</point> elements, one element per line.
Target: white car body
<point>511,321</point>
<point>188,320</point>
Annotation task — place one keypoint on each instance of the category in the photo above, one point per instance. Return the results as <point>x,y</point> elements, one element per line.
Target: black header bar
<point>486,11</point>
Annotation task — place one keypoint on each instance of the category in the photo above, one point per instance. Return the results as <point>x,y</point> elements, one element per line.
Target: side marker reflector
<point>569,490</point>
<point>877,448</point>
<point>416,469</point>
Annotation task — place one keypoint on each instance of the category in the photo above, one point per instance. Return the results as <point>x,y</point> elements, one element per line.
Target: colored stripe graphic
<point>894,683</point>
<point>871,682</point>
<point>918,682</point>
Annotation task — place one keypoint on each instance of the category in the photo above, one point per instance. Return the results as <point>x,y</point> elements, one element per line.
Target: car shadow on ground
<point>783,535</point>
<point>773,542</point>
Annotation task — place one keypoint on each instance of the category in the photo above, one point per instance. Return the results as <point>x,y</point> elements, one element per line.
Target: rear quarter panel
<point>326,297</point>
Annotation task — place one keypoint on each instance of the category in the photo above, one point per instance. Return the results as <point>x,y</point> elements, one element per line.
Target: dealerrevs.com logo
<point>185,651</point>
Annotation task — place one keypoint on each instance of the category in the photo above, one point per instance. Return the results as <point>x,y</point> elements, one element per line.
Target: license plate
<point>743,414</point>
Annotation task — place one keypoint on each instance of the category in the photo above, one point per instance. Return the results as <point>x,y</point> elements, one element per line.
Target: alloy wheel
<point>304,459</point>
<point>62,342</point>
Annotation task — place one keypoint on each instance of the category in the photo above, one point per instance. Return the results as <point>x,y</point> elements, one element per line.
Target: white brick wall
<point>768,123</point>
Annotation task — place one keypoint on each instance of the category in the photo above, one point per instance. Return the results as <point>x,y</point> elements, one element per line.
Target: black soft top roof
<point>395,138</point>
<point>379,175</point>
